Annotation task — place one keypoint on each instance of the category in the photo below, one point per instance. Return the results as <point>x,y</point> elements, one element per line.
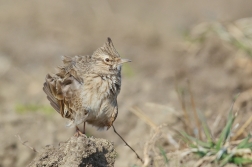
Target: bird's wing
<point>62,88</point>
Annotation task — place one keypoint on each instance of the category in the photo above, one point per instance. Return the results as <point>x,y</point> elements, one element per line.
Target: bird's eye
<point>107,59</point>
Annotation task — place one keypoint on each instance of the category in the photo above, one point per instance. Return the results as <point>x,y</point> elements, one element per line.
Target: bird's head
<point>107,59</point>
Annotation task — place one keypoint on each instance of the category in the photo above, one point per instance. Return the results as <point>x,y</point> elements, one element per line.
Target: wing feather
<point>53,101</point>
<point>61,88</point>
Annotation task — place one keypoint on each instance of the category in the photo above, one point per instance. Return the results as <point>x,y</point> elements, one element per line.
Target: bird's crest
<point>108,48</point>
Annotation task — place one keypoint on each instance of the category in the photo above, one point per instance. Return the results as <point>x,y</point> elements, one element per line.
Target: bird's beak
<point>121,61</point>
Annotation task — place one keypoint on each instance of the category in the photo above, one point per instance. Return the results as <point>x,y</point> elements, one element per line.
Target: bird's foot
<point>79,133</point>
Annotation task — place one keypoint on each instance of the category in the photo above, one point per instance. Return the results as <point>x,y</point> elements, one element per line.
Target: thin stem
<point>128,145</point>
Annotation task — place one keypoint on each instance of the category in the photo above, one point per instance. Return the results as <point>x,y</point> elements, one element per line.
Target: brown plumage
<point>85,88</point>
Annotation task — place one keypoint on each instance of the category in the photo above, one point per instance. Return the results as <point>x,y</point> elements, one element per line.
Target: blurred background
<point>169,42</point>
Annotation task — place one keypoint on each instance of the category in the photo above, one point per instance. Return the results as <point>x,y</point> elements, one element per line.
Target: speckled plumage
<point>85,88</point>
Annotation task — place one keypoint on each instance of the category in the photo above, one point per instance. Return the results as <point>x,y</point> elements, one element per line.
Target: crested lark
<point>85,88</point>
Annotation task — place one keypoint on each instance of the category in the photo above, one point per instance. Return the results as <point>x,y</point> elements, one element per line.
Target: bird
<point>85,88</point>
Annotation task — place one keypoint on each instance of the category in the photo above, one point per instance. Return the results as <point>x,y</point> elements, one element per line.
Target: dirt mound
<point>78,152</point>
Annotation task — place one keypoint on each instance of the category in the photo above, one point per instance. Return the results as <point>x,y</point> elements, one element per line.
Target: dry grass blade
<point>216,124</point>
<point>242,129</point>
<point>205,159</point>
<point>188,127</point>
<point>143,117</point>
<point>24,143</point>
<point>149,149</point>
<point>194,110</point>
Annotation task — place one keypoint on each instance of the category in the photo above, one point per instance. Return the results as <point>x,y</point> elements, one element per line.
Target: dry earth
<point>78,151</point>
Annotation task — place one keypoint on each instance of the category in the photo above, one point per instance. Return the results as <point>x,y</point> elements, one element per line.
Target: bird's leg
<point>79,133</point>
<point>84,130</point>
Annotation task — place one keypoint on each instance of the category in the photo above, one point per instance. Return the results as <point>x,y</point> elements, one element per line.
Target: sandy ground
<point>34,34</point>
